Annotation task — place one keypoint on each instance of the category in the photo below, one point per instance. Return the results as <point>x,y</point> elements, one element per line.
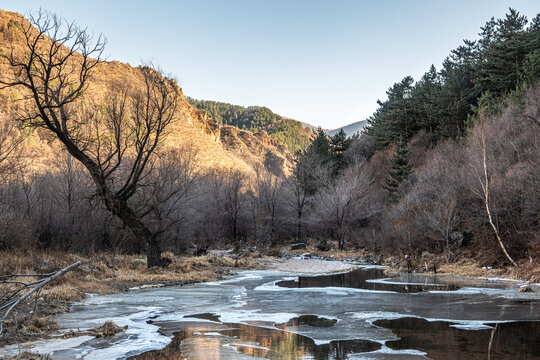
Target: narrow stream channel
<point>272,315</point>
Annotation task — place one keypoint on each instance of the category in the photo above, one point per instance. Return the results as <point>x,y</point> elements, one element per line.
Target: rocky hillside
<point>292,133</point>
<point>216,146</point>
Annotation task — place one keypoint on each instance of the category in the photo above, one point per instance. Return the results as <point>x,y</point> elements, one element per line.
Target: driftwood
<point>23,290</point>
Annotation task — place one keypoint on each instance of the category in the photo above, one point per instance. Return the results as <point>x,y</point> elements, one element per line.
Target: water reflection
<point>255,341</point>
<point>204,316</point>
<point>359,279</point>
<point>440,340</point>
<point>307,320</point>
<point>205,319</point>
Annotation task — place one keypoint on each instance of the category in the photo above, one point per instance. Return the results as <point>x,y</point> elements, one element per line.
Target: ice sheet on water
<point>236,279</point>
<point>255,298</point>
<point>474,290</point>
<point>243,316</point>
<point>45,346</point>
<point>387,353</point>
<point>372,316</point>
<point>328,290</point>
<point>472,326</point>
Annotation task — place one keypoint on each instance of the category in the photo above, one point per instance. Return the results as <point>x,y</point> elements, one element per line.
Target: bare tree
<point>531,110</point>
<point>482,190</point>
<point>434,195</point>
<point>441,217</point>
<point>302,184</point>
<point>168,189</point>
<point>234,199</point>
<point>10,139</point>
<point>344,199</point>
<point>69,184</point>
<point>267,193</point>
<point>116,145</point>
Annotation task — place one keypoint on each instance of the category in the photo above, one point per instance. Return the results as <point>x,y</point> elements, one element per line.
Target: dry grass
<point>64,292</point>
<point>41,324</point>
<point>99,274</point>
<point>528,269</point>
<point>467,267</point>
<point>109,328</point>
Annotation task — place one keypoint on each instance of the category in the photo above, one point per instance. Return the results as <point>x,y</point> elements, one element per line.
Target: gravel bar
<point>311,266</point>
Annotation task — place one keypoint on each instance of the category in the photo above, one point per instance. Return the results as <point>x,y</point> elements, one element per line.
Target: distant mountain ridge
<point>351,129</point>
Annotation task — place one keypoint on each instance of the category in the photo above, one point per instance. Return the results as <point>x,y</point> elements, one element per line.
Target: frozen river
<point>274,315</point>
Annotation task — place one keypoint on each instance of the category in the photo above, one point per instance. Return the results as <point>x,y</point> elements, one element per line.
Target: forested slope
<point>479,73</point>
<point>256,118</point>
<point>447,164</point>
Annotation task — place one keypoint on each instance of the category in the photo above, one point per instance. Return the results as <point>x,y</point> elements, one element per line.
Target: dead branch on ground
<point>17,290</point>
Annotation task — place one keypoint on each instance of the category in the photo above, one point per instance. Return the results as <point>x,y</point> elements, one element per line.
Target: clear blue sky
<point>323,62</point>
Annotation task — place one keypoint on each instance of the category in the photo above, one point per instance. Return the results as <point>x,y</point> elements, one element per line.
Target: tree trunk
<point>341,238</point>
<point>144,236</point>
<point>486,201</point>
<point>153,253</point>
<point>299,226</point>
<point>142,233</point>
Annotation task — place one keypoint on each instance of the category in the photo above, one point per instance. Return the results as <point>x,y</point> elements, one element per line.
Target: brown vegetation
<point>99,274</point>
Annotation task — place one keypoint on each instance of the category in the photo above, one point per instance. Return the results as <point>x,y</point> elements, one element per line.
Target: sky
<point>321,62</point>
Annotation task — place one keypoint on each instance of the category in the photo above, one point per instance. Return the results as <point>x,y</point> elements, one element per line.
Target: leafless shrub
<point>343,200</point>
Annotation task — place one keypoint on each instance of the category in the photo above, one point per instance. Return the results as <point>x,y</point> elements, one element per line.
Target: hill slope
<point>290,132</point>
<point>194,129</point>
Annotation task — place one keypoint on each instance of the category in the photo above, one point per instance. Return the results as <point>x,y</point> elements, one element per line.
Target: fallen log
<point>13,297</point>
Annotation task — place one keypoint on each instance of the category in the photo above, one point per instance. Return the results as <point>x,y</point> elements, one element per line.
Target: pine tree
<point>400,168</point>
<point>320,146</point>
<point>426,98</point>
<point>504,50</point>
<point>339,144</point>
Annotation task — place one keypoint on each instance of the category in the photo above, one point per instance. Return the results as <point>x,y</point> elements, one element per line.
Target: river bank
<point>290,315</point>
<point>108,274</point>
<point>99,275</point>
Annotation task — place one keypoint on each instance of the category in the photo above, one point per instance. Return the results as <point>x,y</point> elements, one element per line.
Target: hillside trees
<point>116,142</point>
<point>256,118</point>
<point>400,169</point>
<point>505,59</point>
<point>339,143</point>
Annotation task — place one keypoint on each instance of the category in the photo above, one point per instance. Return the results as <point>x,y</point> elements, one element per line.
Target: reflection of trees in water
<point>513,340</point>
<point>267,342</point>
<point>491,340</point>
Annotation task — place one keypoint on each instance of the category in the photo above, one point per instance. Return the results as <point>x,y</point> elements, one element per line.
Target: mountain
<point>351,129</point>
<point>216,146</point>
<point>312,127</point>
<point>290,132</point>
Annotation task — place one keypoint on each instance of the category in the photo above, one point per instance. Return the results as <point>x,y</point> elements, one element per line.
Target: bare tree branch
<point>9,303</point>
